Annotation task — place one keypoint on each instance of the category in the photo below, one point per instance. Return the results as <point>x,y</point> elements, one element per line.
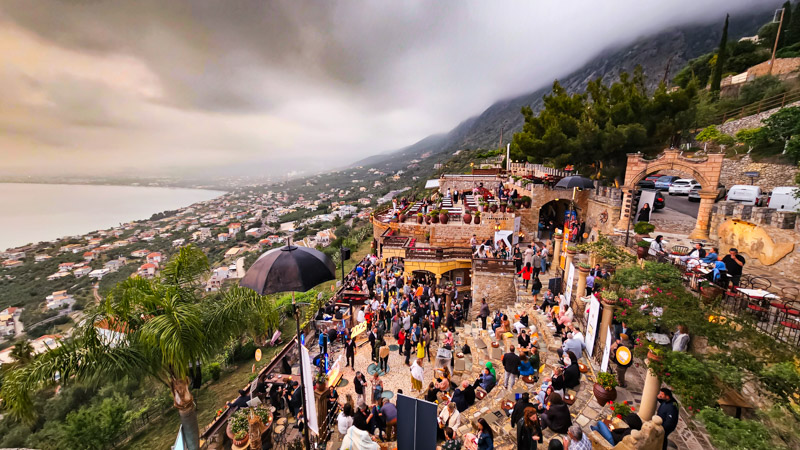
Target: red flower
<point>633,409</point>
<point>619,416</point>
<point>690,408</point>
<point>625,402</point>
<point>612,408</point>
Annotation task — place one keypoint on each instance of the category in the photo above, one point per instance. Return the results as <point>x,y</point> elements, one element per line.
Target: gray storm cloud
<point>96,86</point>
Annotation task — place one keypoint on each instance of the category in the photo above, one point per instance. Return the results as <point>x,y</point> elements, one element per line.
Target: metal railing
<point>782,324</point>
<point>438,253</point>
<point>778,101</point>
<point>494,265</point>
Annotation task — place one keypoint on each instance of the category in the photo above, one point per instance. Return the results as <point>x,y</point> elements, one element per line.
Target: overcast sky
<point>159,87</point>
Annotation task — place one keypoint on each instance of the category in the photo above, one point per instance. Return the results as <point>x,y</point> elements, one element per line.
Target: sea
<point>31,213</point>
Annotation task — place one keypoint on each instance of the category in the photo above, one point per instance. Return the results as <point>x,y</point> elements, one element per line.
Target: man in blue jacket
<point>668,411</point>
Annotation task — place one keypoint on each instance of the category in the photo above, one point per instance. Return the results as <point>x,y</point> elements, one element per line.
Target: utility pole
<point>775,47</point>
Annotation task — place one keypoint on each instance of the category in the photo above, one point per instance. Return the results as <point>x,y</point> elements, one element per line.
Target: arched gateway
<point>706,171</point>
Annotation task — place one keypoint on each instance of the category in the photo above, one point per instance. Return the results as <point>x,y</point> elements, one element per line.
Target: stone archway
<point>706,171</point>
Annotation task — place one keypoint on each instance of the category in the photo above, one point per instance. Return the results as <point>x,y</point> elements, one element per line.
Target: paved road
<point>681,204</point>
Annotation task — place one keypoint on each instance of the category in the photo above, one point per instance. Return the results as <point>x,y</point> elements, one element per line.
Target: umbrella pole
<point>302,386</point>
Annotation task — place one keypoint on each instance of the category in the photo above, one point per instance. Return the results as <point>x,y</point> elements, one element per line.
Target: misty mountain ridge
<point>661,55</point>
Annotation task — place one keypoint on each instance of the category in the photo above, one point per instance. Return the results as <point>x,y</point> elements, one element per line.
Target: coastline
<point>96,207</point>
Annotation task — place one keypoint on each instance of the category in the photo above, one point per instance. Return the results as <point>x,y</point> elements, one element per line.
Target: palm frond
<point>185,268</point>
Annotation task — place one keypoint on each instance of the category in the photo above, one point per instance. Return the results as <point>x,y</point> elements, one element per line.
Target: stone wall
<point>770,175</point>
<point>650,437</point>
<point>768,238</point>
<point>453,234</point>
<point>497,288</point>
<point>467,182</point>
<point>603,209</point>
<point>754,121</point>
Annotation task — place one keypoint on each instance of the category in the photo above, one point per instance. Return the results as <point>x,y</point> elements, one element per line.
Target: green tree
<point>783,124</point>
<point>793,27</point>
<point>785,38</point>
<point>716,78</point>
<point>96,427</point>
<point>167,326</point>
<point>712,134</point>
<point>22,352</point>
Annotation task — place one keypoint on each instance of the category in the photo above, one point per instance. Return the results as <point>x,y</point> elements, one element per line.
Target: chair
<point>680,250</point>
<point>757,307</point>
<point>760,283</point>
<point>790,293</point>
<point>745,280</point>
<point>791,315</point>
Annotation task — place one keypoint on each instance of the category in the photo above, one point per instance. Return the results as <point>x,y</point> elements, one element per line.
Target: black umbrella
<point>575,182</point>
<point>289,268</point>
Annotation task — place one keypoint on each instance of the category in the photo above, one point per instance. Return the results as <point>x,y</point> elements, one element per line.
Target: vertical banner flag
<point>606,351</point>
<point>570,280</point>
<point>591,324</point>
<point>308,385</point>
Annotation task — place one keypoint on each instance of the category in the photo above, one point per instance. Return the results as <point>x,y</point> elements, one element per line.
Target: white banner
<point>310,408</point>
<point>570,280</point>
<point>591,324</point>
<point>606,351</point>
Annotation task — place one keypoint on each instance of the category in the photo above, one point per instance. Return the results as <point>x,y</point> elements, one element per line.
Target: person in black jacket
<point>519,408</point>
<point>241,401</point>
<point>511,365</point>
<point>469,393</point>
<point>459,399</point>
<point>529,431</point>
<point>358,384</point>
<point>556,415</point>
<point>572,374</point>
<point>350,352</point>
<point>668,411</point>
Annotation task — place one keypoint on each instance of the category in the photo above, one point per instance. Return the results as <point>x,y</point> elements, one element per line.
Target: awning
<point>430,184</point>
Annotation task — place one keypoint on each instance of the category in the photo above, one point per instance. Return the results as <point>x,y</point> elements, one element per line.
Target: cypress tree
<point>716,78</point>
<point>793,28</point>
<point>785,39</point>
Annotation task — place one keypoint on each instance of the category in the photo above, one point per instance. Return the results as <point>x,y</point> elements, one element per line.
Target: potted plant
<point>477,217</point>
<point>526,201</point>
<point>482,206</point>
<point>622,409</point>
<point>434,215</point>
<point>572,250</point>
<point>643,228</point>
<point>420,218</point>
<point>642,248</point>
<point>605,389</point>
<point>503,207</point>
<point>321,381</point>
<point>444,216</point>
<point>238,428</point>
<point>428,219</point>
<point>584,267</point>
<point>402,217</point>
<point>467,217</point>
<point>493,207</point>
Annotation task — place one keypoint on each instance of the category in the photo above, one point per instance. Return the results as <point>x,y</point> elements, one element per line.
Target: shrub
<point>734,434</point>
<point>607,380</point>
<point>622,409</point>
<point>643,244</point>
<point>215,370</point>
<point>644,228</point>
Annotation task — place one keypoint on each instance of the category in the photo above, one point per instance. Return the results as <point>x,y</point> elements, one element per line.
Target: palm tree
<point>164,326</point>
<point>22,352</point>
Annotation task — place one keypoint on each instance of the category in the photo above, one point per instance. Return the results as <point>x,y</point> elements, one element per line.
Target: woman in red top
<point>401,339</point>
<point>526,274</point>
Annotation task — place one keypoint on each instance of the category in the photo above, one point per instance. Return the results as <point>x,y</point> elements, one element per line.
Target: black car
<point>660,200</point>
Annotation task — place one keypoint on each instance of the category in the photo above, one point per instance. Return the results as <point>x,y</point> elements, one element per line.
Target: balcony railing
<point>494,265</point>
<point>438,253</point>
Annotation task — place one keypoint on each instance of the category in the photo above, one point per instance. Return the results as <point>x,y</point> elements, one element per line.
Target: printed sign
<point>358,329</point>
<point>591,324</point>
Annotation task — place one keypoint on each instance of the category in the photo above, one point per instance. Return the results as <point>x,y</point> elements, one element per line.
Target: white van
<point>784,198</point>
<point>746,194</point>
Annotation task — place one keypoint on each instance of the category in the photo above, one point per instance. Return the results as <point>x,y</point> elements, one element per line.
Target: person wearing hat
<point>623,340</point>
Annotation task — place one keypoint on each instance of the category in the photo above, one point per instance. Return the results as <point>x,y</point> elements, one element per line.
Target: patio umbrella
<point>295,269</point>
<point>575,182</point>
<point>289,268</point>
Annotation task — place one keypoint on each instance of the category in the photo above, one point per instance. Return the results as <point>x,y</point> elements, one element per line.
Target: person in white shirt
<point>449,417</point>
<point>345,419</point>
<point>680,340</point>
<point>360,317</point>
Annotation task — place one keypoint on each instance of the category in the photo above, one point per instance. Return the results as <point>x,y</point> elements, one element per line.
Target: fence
<point>494,265</point>
<point>438,253</point>
<point>778,101</point>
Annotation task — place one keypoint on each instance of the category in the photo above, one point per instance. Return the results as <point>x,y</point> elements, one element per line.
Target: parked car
<point>682,186</point>
<point>746,194</point>
<point>653,177</point>
<point>784,198</point>
<point>694,195</point>
<point>659,202</point>
<point>665,181</point>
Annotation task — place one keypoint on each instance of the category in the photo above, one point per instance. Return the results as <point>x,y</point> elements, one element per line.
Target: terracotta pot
<point>435,218</point>
<point>493,208</point>
<point>653,356</point>
<point>584,269</point>
<point>467,218</point>
<point>477,220</point>
<point>641,252</point>
<point>241,442</point>
<point>602,395</point>
<point>420,219</point>
<point>503,208</point>
<point>526,204</point>
<point>402,217</point>
<point>444,218</point>
<point>428,220</point>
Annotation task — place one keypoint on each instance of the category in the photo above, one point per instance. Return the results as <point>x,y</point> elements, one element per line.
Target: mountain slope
<point>661,54</point>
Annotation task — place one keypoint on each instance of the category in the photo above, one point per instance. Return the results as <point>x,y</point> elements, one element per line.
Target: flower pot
<point>503,208</point>
<point>602,395</point>
<point>493,208</point>
<point>477,220</point>
<point>653,356</point>
<point>420,219</point>
<point>435,218</point>
<point>467,218</point>
<point>526,203</point>
<point>444,218</point>
<point>240,442</point>
<point>584,269</point>
<point>428,220</point>
<point>641,252</point>
<point>402,218</point>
